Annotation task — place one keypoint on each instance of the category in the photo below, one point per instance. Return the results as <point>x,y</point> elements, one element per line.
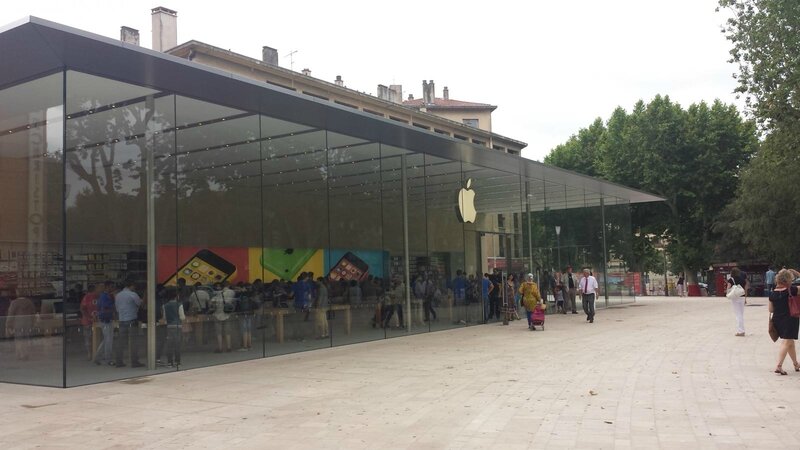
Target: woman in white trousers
<point>737,278</point>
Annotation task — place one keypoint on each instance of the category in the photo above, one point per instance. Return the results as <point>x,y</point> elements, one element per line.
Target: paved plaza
<point>661,373</point>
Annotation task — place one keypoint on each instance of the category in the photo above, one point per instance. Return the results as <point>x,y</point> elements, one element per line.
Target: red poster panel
<point>202,264</point>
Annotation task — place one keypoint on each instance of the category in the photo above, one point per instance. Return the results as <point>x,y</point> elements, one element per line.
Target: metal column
<point>406,256</point>
<point>151,236</point>
<point>605,251</point>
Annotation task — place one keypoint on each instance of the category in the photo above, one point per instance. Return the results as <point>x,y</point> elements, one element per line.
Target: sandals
<point>779,370</point>
<point>797,367</point>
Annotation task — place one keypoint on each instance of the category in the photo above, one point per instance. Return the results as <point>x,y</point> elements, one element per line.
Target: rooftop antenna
<point>291,58</point>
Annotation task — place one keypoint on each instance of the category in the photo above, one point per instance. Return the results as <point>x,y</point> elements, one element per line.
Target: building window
<point>471,123</point>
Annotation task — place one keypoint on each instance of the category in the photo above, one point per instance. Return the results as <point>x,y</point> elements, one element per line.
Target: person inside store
<point>354,294</point>
<point>486,292</point>
<point>89,315</point>
<point>19,325</point>
<point>105,318</point>
<point>460,288</point>
<point>223,305</point>
<point>127,303</point>
<point>321,305</point>
<point>494,295</point>
<point>174,316</point>
<point>431,291</point>
<point>247,307</point>
<point>786,325</point>
<point>395,296</point>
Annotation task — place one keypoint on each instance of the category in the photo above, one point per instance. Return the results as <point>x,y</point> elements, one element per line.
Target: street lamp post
<point>558,246</point>
<point>666,286</point>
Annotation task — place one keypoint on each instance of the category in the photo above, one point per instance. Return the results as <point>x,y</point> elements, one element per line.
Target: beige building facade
<point>466,121</point>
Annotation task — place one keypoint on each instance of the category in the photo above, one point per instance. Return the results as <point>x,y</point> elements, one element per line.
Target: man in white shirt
<point>588,288</point>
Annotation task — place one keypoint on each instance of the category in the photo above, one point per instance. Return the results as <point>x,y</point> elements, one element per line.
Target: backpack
<point>246,304</point>
<point>228,307</point>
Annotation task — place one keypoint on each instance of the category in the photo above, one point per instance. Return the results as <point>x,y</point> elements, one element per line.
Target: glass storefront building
<point>122,164</point>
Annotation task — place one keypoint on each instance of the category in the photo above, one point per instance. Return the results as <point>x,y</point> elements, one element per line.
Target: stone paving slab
<point>662,373</point>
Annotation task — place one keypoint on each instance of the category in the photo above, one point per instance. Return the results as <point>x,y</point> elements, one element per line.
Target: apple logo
<point>466,203</point>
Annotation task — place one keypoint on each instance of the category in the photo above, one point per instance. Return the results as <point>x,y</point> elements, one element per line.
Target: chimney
<point>446,93</point>
<point>307,72</point>
<point>383,92</point>
<point>269,55</point>
<point>129,35</point>
<point>410,97</point>
<point>165,28</point>
<point>425,97</point>
<point>431,92</point>
<point>397,90</point>
<point>339,82</point>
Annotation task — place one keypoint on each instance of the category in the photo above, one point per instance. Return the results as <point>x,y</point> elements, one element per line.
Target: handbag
<point>794,304</point>
<point>735,292</point>
<point>773,332</point>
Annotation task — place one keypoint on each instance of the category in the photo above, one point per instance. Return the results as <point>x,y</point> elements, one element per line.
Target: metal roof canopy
<point>38,47</point>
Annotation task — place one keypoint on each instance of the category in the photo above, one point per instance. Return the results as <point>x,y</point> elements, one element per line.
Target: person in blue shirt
<point>128,302</point>
<point>105,317</point>
<point>459,287</point>
<point>486,289</point>
<point>769,281</point>
<point>300,291</point>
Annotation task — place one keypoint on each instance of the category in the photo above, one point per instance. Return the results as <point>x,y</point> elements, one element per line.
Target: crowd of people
<point>112,314</point>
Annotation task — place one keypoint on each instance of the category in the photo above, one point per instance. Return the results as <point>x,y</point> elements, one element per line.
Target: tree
<point>766,46</point>
<point>764,215</point>
<point>691,157</point>
<point>579,153</point>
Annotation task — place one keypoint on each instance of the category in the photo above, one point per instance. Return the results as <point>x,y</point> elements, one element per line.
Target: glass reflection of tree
<point>105,157</point>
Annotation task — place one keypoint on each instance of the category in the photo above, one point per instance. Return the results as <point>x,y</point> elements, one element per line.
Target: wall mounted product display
<point>326,225</point>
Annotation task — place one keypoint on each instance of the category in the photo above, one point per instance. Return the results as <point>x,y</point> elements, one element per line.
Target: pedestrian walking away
<point>737,294</point>
<point>786,325</point>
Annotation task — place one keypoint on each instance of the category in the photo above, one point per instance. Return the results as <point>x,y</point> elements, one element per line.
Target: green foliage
<point>579,153</point>
<point>766,46</point>
<point>764,215</point>
<point>691,157</point>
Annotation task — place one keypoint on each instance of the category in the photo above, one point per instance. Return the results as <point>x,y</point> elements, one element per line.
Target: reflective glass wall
<point>33,303</point>
<point>190,233</point>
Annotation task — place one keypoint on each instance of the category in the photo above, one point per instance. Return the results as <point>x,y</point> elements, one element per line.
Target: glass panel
<point>496,238</point>
<point>32,302</point>
<point>218,228</point>
<point>445,232</point>
<point>417,241</point>
<point>295,238</point>
<point>110,129</point>
<point>395,306</point>
<point>356,260</point>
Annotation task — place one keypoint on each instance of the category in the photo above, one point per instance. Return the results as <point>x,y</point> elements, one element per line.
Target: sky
<point>551,67</point>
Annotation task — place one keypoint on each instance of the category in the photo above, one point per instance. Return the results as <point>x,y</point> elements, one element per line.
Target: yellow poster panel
<point>275,264</point>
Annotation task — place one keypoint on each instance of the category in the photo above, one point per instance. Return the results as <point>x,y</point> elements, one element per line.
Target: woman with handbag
<point>737,294</point>
<point>786,325</point>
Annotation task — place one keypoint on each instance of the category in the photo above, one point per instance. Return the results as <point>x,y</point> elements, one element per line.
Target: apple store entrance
<point>295,223</point>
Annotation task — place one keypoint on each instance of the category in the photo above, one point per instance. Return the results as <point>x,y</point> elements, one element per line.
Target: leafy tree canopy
<point>765,37</point>
<point>691,157</point>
